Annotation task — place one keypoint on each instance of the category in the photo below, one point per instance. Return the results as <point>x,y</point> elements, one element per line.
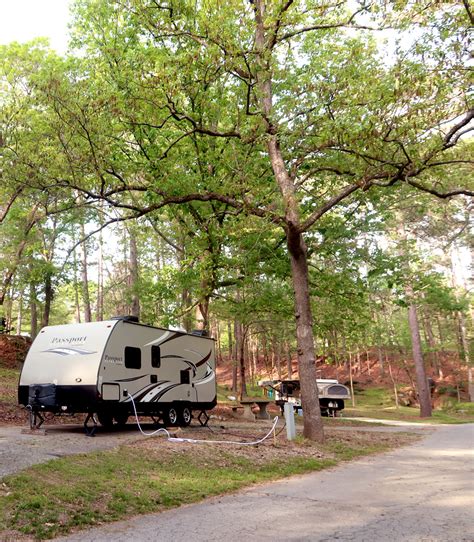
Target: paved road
<point>419,493</point>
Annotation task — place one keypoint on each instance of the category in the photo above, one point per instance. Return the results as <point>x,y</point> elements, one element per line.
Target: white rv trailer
<point>96,367</point>
<point>331,394</point>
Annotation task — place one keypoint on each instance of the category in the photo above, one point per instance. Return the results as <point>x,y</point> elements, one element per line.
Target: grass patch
<point>223,393</point>
<point>378,403</point>
<point>152,475</point>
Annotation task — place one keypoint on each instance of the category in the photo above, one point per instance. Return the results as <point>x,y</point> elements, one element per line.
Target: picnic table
<point>248,402</point>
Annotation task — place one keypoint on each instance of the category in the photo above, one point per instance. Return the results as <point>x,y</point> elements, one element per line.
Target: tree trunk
<point>232,358</point>
<point>33,312</point>
<point>422,382</point>
<point>289,366</point>
<point>85,280</point>
<point>395,391</point>
<point>351,380</point>
<point>239,357</point>
<point>99,312</point>
<point>434,354</point>
<point>313,425</point>
<point>133,277</point>
<point>381,360</point>
<point>465,353</point>
<point>202,313</point>
<point>19,320</point>
<point>48,298</point>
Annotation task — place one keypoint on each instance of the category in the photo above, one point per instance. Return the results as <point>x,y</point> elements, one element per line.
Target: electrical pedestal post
<point>290,421</point>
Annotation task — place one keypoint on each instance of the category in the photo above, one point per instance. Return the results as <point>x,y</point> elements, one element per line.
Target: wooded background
<point>231,166</point>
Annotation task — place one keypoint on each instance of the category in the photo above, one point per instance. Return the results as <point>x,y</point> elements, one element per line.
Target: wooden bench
<point>248,402</point>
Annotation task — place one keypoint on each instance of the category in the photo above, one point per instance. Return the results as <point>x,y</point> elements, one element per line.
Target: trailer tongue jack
<point>90,431</point>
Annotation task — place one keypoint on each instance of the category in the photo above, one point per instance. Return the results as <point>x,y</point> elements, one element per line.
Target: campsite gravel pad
<point>20,448</point>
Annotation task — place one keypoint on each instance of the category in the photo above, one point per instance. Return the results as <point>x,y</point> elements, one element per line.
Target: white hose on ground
<point>160,430</point>
<point>198,441</point>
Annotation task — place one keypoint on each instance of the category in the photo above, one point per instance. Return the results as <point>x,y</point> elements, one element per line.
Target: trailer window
<point>185,376</point>
<point>133,357</point>
<point>155,356</point>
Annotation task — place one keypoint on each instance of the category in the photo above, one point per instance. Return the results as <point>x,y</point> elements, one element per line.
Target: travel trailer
<point>331,394</point>
<point>95,368</point>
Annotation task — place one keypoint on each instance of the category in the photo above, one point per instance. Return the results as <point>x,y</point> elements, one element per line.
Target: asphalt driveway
<point>423,492</point>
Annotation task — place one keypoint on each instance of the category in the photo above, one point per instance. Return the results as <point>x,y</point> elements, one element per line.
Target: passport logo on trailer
<point>68,340</point>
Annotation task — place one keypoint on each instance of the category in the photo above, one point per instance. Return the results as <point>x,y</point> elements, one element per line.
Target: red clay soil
<point>13,350</point>
<point>451,379</point>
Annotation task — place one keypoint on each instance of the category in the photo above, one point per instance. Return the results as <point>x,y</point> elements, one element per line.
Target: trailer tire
<point>184,417</point>
<point>105,419</point>
<point>121,419</point>
<point>171,417</point>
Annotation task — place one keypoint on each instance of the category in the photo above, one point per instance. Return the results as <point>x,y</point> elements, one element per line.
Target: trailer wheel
<point>171,416</point>
<point>185,417</point>
<point>121,419</point>
<point>105,419</point>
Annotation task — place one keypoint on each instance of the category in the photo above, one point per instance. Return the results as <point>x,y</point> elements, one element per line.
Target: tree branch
<point>452,137</point>
<point>348,23</point>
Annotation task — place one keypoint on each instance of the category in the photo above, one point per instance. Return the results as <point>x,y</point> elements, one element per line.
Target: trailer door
<point>188,390</point>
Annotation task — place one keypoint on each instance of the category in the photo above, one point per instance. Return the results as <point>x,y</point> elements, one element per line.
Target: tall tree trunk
<point>239,357</point>
<point>133,270</point>
<point>255,355</point>
<point>216,334</point>
<point>289,365</point>
<point>351,380</point>
<point>424,395</point>
<point>19,319</point>
<point>395,391</point>
<point>381,360</point>
<point>232,357</point>
<point>33,312</point>
<point>313,424</point>
<point>48,298</point>
<point>202,313</point>
<point>85,279</point>
<point>465,353</point>
<point>434,354</point>
<point>277,351</point>
<point>422,382</point>
<point>99,312</point>
<point>75,266</point>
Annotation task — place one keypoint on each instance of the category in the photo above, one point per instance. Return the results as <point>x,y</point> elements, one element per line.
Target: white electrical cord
<point>160,430</point>
<point>197,441</point>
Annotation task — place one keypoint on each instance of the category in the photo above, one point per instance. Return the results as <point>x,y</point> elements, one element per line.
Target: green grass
<point>88,489</point>
<point>80,491</point>
<point>379,403</point>
<point>223,393</point>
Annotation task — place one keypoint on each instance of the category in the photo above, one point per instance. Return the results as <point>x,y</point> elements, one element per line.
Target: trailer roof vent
<point>200,332</point>
<point>126,318</point>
